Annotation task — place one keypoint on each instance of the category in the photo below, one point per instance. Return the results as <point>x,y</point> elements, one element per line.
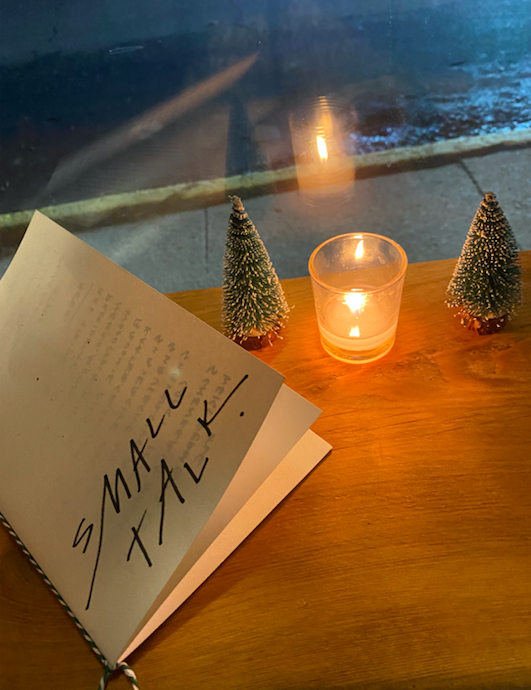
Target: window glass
<point>119,100</point>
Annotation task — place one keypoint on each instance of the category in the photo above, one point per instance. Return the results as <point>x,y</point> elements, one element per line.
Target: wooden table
<point>402,561</point>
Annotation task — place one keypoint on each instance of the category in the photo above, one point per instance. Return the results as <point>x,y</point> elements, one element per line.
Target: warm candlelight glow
<point>357,281</point>
<point>355,301</point>
<point>321,147</point>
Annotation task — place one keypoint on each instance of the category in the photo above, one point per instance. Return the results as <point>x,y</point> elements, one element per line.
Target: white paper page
<point>301,460</point>
<point>88,354</point>
<point>288,420</point>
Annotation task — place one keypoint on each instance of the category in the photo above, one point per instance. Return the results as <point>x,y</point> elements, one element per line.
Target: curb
<point>147,203</point>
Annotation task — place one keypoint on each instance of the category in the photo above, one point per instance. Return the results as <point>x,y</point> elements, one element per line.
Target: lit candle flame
<point>355,301</point>
<point>354,332</point>
<point>321,147</point>
<point>359,250</point>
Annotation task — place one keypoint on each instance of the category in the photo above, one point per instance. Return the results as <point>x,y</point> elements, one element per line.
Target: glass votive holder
<point>357,282</point>
<point>323,148</point>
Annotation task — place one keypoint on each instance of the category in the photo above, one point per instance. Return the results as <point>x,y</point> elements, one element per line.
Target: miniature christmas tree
<point>486,284</point>
<point>254,306</point>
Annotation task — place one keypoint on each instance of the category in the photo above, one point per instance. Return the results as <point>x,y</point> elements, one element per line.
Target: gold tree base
<point>483,326</point>
<point>256,342</point>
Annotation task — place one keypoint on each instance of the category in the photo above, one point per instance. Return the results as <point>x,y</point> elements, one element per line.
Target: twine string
<point>121,666</point>
<point>108,668</point>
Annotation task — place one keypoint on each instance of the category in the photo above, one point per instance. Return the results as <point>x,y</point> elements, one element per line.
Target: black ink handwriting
<point>205,423</point>
<point>87,531</point>
<point>192,473</point>
<point>152,431</point>
<point>139,458</point>
<point>137,540</point>
<point>174,406</point>
<point>166,477</point>
<point>116,503</point>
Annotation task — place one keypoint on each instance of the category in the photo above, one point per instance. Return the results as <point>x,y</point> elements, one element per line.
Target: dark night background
<point>415,71</point>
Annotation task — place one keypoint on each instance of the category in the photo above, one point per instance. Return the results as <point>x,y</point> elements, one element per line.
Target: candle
<point>320,132</point>
<point>357,281</point>
<point>357,332</point>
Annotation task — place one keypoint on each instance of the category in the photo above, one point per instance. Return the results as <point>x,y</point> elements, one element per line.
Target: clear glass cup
<point>323,148</point>
<point>357,282</point>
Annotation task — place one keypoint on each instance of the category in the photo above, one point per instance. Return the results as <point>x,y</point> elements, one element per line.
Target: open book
<point>139,446</point>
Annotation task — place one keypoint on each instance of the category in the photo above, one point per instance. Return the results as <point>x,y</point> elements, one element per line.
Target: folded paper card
<point>139,446</point>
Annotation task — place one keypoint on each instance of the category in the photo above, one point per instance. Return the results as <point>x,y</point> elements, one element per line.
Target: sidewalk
<point>428,212</point>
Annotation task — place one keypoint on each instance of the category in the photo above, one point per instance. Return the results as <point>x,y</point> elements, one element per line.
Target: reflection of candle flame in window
<point>355,301</point>
<point>359,250</point>
<point>321,147</point>
<point>354,332</point>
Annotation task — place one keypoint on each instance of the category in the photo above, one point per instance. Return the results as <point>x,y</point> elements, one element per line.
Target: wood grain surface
<point>402,561</point>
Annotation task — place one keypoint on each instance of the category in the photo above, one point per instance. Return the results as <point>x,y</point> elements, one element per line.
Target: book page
<point>288,420</point>
<point>124,419</point>
<point>285,476</point>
